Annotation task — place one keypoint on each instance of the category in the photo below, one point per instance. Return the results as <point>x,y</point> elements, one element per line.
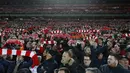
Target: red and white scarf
<point>30,54</point>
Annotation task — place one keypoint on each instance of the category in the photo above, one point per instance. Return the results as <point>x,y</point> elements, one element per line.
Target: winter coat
<point>106,69</point>
<point>2,69</point>
<point>24,64</point>
<point>72,66</point>
<point>81,67</point>
<point>47,66</point>
<point>98,62</point>
<point>5,64</point>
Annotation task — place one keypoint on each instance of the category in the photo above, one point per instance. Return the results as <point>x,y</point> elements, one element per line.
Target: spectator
<point>92,70</point>
<point>87,63</point>
<point>69,62</point>
<point>62,70</point>
<point>128,56</point>
<point>101,47</point>
<point>5,65</point>
<point>100,60</point>
<point>97,50</point>
<point>24,70</point>
<point>113,65</point>
<point>49,64</point>
<point>21,63</point>
<point>115,49</point>
<point>91,52</point>
<point>2,68</point>
<point>125,62</point>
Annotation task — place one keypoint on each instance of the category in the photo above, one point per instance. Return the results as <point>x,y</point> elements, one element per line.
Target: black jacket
<point>106,69</point>
<point>48,65</point>
<point>2,69</point>
<point>5,65</point>
<point>81,68</point>
<point>72,68</point>
<point>24,64</point>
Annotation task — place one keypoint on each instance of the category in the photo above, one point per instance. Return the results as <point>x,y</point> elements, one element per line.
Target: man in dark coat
<point>49,65</point>
<point>20,63</point>
<point>100,60</point>
<point>92,70</point>
<point>124,62</point>
<point>102,47</point>
<point>69,62</point>
<point>2,69</point>
<point>5,65</point>
<point>86,64</point>
<point>113,65</point>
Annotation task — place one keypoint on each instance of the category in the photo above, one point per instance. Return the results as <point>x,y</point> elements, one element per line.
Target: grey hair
<point>93,70</point>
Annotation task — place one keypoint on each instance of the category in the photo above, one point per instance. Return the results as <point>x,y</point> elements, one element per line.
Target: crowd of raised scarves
<point>48,36</point>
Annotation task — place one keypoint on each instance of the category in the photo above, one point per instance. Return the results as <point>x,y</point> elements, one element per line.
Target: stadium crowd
<point>67,46</point>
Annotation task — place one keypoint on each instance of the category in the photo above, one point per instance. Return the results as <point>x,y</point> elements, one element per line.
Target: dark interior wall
<point>37,2</point>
